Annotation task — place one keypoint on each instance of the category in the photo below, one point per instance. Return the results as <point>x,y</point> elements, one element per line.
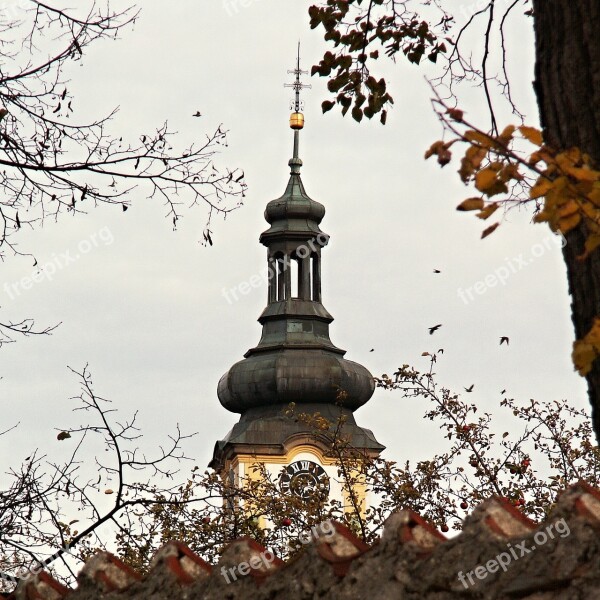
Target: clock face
<point>305,479</point>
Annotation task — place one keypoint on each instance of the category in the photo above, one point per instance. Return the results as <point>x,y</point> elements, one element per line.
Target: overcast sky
<point>145,308</point>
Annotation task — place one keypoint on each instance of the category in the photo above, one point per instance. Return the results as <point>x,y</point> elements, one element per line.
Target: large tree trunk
<point>567,84</point>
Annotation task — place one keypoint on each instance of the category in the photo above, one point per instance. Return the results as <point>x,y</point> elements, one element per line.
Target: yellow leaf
<point>592,213</point>
<point>583,357</point>
<point>569,157</point>
<point>471,161</point>
<point>488,182</point>
<point>485,179</point>
<point>583,174</point>
<point>488,211</point>
<point>478,138</point>
<point>434,149</point>
<point>541,188</point>
<point>540,155</point>
<point>511,171</point>
<point>592,243</point>
<point>532,134</point>
<point>569,208</point>
<point>594,195</point>
<point>506,134</point>
<point>490,230</point>
<point>471,204</point>
<point>567,223</point>
<point>586,350</point>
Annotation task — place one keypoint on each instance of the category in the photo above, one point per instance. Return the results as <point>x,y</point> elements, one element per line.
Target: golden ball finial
<point>296,120</point>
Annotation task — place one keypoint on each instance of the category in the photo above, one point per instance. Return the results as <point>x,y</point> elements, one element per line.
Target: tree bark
<point>567,85</point>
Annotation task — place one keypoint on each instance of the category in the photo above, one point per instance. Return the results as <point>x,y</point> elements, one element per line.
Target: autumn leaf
<point>434,149</point>
<point>586,350</point>
<point>357,114</point>
<point>583,173</point>
<point>488,211</point>
<point>108,492</point>
<point>532,134</point>
<point>591,243</point>
<point>441,149</point>
<point>511,171</point>
<point>569,158</point>
<point>327,105</point>
<point>594,195</point>
<point>506,135</point>
<point>565,224</point>
<point>487,181</point>
<point>541,188</point>
<point>471,204</point>
<point>455,114</point>
<point>471,162</point>
<point>489,230</point>
<point>478,138</point>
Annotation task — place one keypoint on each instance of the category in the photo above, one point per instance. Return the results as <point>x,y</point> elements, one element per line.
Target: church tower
<point>295,361</point>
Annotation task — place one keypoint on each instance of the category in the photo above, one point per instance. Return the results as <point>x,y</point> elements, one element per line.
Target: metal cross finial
<point>297,85</point>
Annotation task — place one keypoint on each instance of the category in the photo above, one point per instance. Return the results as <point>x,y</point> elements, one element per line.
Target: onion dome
<point>295,360</point>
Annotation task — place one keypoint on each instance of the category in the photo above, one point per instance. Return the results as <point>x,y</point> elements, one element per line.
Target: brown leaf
<point>532,134</point>
<point>471,204</point>
<point>488,211</point>
<point>489,230</point>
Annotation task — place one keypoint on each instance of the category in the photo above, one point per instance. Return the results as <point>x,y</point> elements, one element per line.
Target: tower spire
<point>295,359</point>
<point>297,118</point>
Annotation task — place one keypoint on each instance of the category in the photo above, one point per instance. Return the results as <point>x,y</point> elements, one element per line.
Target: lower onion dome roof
<point>295,375</point>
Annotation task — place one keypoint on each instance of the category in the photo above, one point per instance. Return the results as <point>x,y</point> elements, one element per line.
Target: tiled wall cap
<point>261,560</point>
<point>407,526</point>
<point>584,498</point>
<point>109,572</point>
<point>41,587</point>
<point>501,518</point>
<point>343,543</point>
<point>340,549</point>
<point>181,561</point>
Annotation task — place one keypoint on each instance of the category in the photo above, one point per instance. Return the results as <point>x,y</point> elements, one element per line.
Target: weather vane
<point>297,118</point>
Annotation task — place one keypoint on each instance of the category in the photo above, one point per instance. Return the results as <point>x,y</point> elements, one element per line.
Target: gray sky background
<point>147,311</point>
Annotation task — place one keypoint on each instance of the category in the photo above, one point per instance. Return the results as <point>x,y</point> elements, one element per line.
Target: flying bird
<point>470,389</point>
<point>503,392</point>
<point>436,271</point>
<point>197,114</point>
<point>441,351</point>
<point>503,339</point>
<point>372,349</point>
<point>434,329</point>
